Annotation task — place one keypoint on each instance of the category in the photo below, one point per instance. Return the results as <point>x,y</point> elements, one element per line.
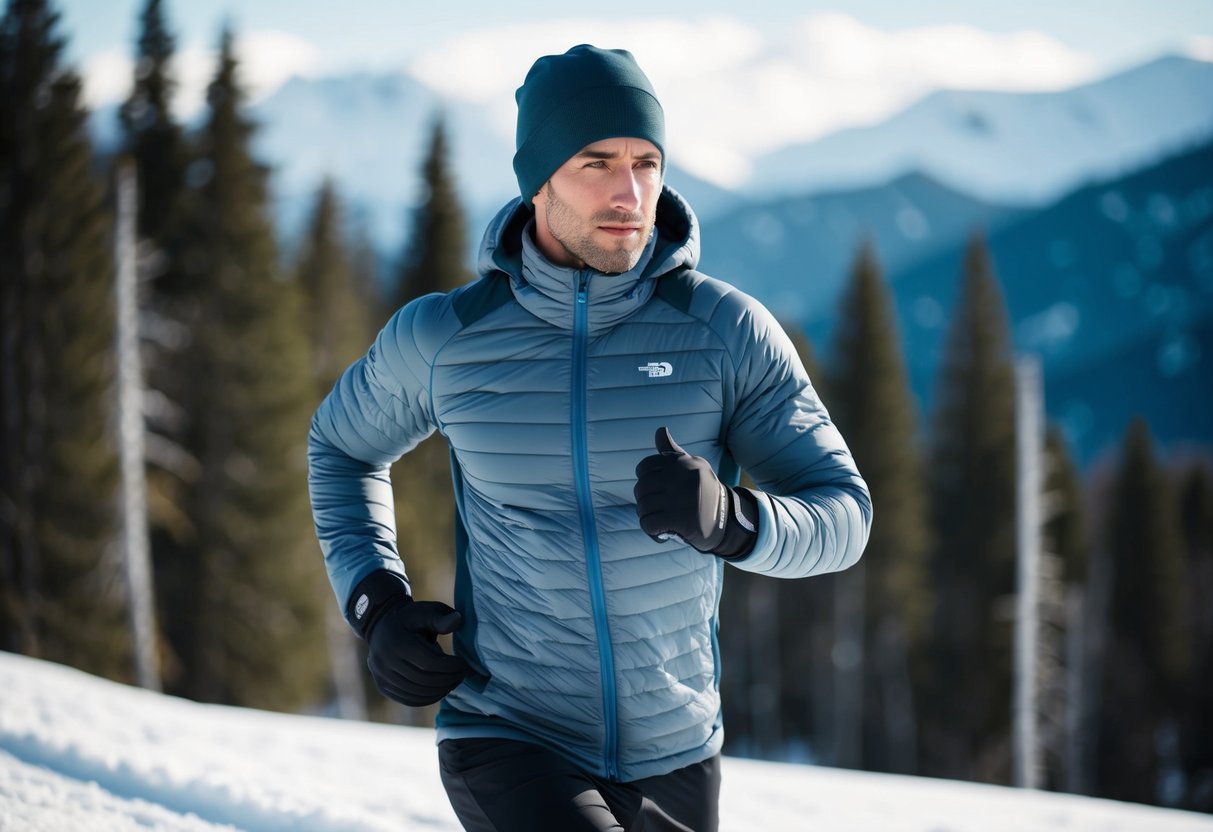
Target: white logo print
<point>657,369</point>
<point>360,607</point>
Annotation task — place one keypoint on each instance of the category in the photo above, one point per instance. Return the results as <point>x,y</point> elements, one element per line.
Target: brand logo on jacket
<point>657,369</point>
<point>360,607</point>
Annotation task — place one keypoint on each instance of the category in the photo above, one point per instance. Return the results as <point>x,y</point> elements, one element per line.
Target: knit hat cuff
<point>593,115</point>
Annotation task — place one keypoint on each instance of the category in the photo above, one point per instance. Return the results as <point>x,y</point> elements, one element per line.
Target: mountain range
<point>369,133</point>
<point>1094,201</point>
<point>1111,286</point>
<point>1024,148</point>
<point>793,252</point>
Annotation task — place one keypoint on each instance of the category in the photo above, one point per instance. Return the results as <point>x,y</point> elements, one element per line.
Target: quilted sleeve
<point>379,409</point>
<point>815,512</point>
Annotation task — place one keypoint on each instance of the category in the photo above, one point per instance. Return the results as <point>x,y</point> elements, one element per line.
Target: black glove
<point>405,658</point>
<point>678,496</point>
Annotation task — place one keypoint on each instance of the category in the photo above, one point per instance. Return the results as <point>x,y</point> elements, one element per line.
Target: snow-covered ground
<point>81,753</point>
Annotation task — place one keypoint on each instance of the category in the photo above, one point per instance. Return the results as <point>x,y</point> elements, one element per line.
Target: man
<point>599,397</point>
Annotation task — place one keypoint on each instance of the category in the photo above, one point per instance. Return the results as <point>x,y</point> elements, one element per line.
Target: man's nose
<point>625,194</point>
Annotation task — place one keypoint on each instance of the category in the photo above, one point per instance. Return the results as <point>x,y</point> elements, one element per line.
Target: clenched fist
<point>679,496</point>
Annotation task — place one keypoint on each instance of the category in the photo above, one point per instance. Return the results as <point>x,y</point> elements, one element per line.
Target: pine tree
<point>153,137</point>
<point>436,256</point>
<point>875,411</point>
<point>967,696</point>
<point>250,630</point>
<point>337,295</point>
<point>61,594</point>
<point>1147,637</point>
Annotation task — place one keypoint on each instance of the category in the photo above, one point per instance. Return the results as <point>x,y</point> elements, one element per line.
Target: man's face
<point>598,209</point>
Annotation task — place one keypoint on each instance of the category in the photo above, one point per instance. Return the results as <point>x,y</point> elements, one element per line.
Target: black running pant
<point>508,786</point>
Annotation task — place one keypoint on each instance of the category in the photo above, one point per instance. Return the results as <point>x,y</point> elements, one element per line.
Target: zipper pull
<point>581,289</point>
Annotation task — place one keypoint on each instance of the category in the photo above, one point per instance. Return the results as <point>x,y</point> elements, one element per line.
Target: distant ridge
<point>368,132</point>
<point>1011,147</point>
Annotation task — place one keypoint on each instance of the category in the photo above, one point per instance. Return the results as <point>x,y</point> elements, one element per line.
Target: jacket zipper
<point>589,525</point>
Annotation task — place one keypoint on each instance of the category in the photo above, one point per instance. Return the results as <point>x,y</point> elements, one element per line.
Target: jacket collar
<point>549,291</point>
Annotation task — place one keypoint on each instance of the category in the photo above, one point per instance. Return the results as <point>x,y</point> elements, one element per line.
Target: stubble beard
<point>576,236</point>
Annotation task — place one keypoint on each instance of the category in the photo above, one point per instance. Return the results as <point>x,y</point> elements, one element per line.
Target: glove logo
<point>361,606</point>
<point>657,369</point>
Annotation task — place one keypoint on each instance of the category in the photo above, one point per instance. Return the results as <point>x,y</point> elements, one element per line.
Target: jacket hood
<point>548,290</point>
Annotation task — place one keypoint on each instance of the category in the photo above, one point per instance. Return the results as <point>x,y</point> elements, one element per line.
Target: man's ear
<point>540,195</point>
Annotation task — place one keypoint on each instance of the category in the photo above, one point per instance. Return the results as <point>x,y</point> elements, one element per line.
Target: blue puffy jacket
<point>549,383</point>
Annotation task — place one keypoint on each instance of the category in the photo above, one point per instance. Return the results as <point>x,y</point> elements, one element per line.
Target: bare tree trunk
<point>1029,432</point>
<point>136,556</point>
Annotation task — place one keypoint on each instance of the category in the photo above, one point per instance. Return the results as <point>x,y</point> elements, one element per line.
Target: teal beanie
<point>578,98</point>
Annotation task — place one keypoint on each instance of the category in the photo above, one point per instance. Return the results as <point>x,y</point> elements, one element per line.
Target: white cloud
<point>731,92</point>
<point>952,55</point>
<point>267,58</point>
<point>1200,47</point>
<point>483,65</point>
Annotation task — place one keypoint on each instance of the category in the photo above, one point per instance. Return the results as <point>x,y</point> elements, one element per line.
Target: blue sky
<point>381,33</point>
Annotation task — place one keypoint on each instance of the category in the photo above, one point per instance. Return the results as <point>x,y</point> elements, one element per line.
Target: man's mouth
<point>619,230</point>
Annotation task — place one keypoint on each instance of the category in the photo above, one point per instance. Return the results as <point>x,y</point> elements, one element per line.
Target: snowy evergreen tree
<point>153,137</point>
<point>249,629</point>
<point>61,593</point>
<point>338,295</point>
<point>338,301</point>
<point>967,696</point>
<point>873,407</point>
<point>435,259</point>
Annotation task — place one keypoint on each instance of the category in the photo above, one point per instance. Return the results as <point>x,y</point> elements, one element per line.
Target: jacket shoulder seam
<point>469,303</point>
<point>688,281</point>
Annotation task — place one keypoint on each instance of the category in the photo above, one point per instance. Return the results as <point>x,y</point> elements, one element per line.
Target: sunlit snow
<point>77,752</point>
